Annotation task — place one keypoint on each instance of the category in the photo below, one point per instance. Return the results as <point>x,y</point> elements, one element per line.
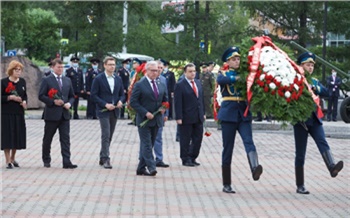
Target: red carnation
<point>165,105</point>
<point>11,89</point>
<point>53,94</point>
<point>266,89</point>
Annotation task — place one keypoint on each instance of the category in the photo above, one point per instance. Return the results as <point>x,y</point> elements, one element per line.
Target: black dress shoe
<point>228,189</point>
<point>196,163</point>
<point>188,164</point>
<point>9,166</point>
<point>142,172</point>
<point>70,166</point>
<point>152,172</point>
<point>15,163</point>
<point>162,164</point>
<point>100,162</point>
<point>47,165</point>
<point>107,165</point>
<point>302,190</point>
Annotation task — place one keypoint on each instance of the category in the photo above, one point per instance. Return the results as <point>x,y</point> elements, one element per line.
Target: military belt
<point>232,98</point>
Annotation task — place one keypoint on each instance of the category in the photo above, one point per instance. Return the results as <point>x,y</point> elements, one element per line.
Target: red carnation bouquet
<point>165,105</point>
<point>53,94</point>
<point>11,89</point>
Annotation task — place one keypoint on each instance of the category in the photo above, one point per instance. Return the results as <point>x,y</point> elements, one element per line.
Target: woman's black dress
<point>13,126</point>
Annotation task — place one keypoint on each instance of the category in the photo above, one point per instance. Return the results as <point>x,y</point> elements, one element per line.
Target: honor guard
<point>312,126</point>
<point>124,74</point>
<point>170,79</point>
<point>76,76</point>
<point>135,64</point>
<point>232,119</point>
<point>90,75</point>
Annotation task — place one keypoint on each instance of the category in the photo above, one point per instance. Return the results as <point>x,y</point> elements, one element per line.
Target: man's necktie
<point>155,89</point>
<point>194,88</point>
<point>59,82</point>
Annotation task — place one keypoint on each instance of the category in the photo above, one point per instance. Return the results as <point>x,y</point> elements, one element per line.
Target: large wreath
<point>276,85</point>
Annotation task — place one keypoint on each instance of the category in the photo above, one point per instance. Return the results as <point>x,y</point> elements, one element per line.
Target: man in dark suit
<point>124,74</point>
<point>170,79</point>
<point>56,113</point>
<point>333,83</point>
<point>146,99</point>
<point>190,115</point>
<point>76,76</point>
<point>90,75</point>
<point>108,93</point>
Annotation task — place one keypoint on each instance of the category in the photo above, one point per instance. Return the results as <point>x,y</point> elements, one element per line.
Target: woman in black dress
<point>13,103</point>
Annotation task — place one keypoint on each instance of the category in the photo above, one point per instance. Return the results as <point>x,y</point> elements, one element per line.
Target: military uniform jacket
<point>234,104</point>
<point>76,78</point>
<point>89,77</point>
<point>125,76</point>
<point>207,83</point>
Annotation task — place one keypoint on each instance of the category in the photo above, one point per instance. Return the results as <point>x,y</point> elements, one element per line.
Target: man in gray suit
<point>146,99</point>
<point>58,95</point>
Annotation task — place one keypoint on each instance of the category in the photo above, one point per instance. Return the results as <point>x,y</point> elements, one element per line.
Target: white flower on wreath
<point>272,86</point>
<point>287,94</point>
<point>276,65</point>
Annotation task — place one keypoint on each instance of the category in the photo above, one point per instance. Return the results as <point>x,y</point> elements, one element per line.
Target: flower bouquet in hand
<point>11,89</point>
<point>53,94</point>
<point>207,132</point>
<point>165,105</point>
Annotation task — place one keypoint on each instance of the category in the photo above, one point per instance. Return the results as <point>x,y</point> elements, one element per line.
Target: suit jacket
<point>335,86</point>
<point>76,78</point>
<point>53,112</point>
<point>143,100</point>
<point>170,78</point>
<point>188,107</point>
<point>102,94</point>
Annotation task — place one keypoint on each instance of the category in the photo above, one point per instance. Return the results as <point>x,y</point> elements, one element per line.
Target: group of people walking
<point>150,99</point>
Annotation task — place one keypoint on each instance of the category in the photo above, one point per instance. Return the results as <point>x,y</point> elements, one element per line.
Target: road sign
<point>64,41</point>
<point>11,53</point>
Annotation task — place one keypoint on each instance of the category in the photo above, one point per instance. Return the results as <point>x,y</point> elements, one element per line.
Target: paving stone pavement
<point>91,191</point>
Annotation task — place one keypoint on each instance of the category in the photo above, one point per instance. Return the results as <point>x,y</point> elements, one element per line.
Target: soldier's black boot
<point>299,179</point>
<point>255,167</point>
<point>226,179</point>
<point>333,168</point>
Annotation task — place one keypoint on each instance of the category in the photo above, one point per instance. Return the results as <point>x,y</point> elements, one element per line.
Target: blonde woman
<point>13,104</point>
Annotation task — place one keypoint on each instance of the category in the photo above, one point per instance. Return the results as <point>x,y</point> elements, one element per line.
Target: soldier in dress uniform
<point>312,126</point>
<point>124,74</point>
<point>231,116</point>
<point>135,64</point>
<point>170,79</point>
<point>76,76</point>
<point>207,80</point>
<point>90,75</point>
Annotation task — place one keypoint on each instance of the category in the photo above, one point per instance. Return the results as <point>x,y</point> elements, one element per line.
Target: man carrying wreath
<point>146,99</point>
<point>231,116</point>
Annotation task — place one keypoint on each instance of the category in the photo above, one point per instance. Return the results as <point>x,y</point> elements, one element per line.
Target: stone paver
<point>91,191</point>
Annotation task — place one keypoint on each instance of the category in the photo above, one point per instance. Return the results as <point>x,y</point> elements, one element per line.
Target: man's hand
<point>149,116</point>
<point>110,107</point>
<point>88,93</point>
<point>179,122</point>
<point>119,104</point>
<point>165,118</point>
<point>67,105</point>
<point>58,102</point>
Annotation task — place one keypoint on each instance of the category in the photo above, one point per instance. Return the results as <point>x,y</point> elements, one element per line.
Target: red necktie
<point>194,88</point>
